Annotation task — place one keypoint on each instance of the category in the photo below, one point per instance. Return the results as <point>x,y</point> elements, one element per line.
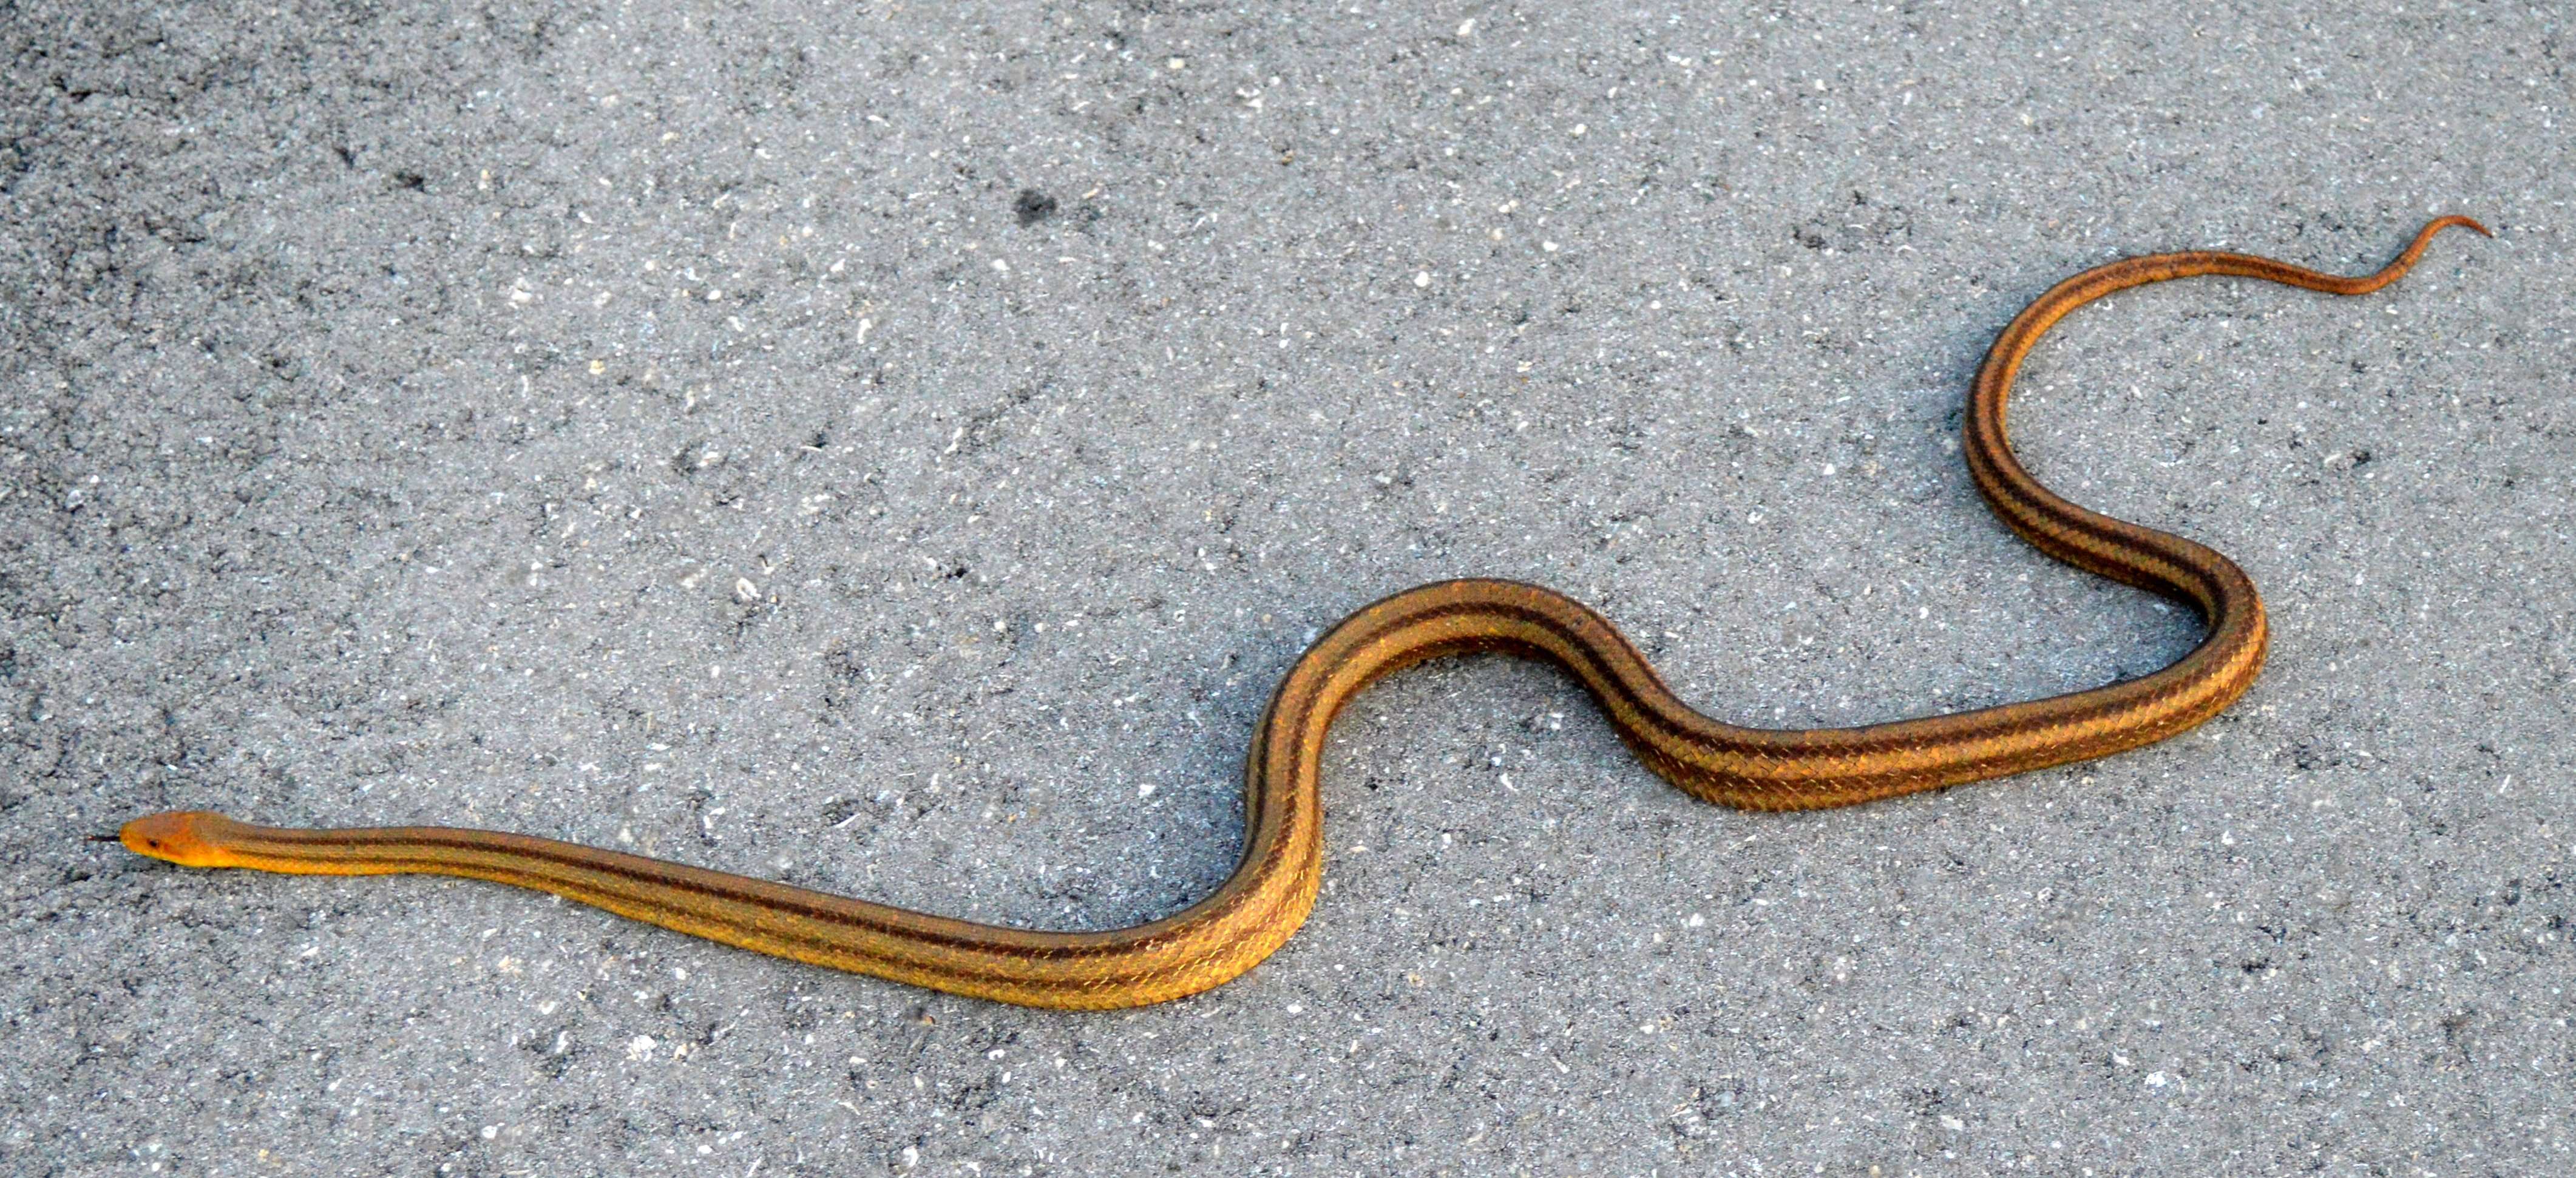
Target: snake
<point>1274,885</point>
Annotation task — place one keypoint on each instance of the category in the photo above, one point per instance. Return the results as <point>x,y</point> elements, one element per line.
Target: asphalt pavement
<point>897,448</point>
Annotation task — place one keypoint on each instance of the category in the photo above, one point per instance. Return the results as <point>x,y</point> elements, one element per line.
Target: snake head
<point>185,837</point>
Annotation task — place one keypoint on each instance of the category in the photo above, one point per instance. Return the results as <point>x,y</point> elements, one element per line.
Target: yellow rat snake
<point>1270,893</point>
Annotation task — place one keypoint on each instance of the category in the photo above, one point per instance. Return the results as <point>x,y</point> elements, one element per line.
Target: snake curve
<point>1274,886</point>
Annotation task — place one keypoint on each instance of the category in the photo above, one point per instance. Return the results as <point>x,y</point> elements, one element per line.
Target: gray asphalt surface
<point>897,448</point>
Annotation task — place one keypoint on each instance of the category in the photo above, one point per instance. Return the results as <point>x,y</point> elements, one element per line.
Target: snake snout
<point>180,836</point>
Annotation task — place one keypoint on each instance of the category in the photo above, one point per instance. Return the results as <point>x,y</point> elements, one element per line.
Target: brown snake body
<point>1256,909</point>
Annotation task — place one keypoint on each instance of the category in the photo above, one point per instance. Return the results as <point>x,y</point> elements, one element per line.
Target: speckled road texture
<point>897,448</point>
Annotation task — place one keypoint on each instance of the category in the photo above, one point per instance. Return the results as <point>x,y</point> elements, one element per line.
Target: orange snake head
<point>185,837</point>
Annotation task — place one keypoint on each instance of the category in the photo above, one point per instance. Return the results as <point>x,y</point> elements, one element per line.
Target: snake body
<point>1270,893</point>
